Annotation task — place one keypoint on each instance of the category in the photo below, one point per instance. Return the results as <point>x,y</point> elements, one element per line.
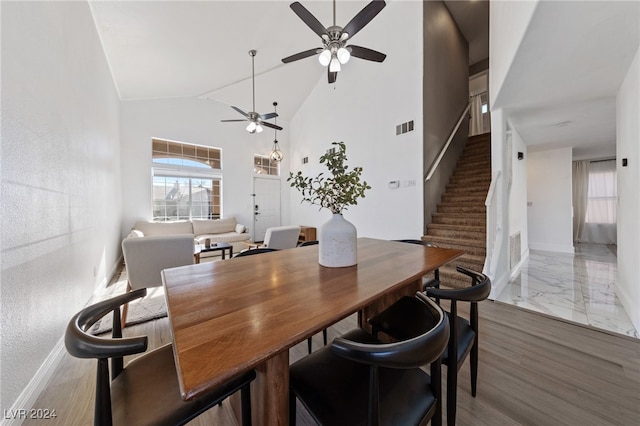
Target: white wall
<point>549,192</point>
<point>628,146</point>
<point>362,110</point>
<point>195,121</point>
<point>518,193</point>
<point>508,21</point>
<point>60,190</point>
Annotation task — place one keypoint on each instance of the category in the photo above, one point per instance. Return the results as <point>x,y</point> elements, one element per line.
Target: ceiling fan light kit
<point>335,51</point>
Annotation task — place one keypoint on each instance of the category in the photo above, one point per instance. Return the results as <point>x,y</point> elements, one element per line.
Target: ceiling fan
<point>335,51</point>
<point>256,121</point>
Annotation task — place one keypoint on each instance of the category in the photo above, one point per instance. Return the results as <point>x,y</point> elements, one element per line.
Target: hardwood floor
<point>534,370</point>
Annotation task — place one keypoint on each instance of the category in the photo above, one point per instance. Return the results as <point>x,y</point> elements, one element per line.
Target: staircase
<point>460,219</point>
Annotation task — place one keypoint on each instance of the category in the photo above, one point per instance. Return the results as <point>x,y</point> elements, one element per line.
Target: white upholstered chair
<point>281,237</point>
<point>146,257</point>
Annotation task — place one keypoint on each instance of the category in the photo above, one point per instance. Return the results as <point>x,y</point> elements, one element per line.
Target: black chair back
<point>147,391</point>
<point>258,250</point>
<point>415,352</point>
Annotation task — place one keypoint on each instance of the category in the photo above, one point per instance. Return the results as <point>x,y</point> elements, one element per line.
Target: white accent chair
<point>281,237</point>
<point>146,257</point>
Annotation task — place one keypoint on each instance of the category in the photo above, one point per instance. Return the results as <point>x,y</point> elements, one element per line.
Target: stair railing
<point>494,226</point>
<point>437,160</point>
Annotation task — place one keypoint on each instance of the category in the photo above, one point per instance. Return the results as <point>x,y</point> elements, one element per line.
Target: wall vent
<point>515,254</point>
<point>404,127</point>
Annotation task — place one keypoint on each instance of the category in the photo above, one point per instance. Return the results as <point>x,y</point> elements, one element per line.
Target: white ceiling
<point>560,89</point>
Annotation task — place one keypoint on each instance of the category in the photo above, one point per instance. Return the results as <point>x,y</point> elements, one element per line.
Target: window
<point>264,166</point>
<point>602,193</point>
<point>186,181</point>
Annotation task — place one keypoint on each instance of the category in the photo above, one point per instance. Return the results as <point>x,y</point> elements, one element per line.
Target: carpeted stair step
<point>458,188</point>
<point>474,198</point>
<point>475,165</point>
<point>468,219</point>
<point>471,180</point>
<point>460,208</point>
<point>474,168</point>
<point>450,278</point>
<point>478,174</point>
<point>473,247</point>
<point>457,231</point>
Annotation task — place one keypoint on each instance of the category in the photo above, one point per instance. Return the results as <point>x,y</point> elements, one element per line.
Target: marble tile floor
<point>578,288</point>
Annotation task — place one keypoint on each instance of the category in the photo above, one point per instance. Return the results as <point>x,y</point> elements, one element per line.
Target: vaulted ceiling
<point>560,89</point>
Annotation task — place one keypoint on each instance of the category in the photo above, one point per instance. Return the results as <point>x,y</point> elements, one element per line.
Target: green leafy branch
<point>341,189</point>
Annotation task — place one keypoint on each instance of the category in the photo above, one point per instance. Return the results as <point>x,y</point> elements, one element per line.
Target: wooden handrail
<point>437,160</point>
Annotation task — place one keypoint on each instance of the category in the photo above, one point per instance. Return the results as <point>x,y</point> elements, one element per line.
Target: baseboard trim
<point>552,247</point>
<point>40,380</point>
<point>497,285</point>
<point>38,383</point>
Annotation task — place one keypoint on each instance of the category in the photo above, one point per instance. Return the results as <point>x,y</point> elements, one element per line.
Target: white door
<point>266,206</point>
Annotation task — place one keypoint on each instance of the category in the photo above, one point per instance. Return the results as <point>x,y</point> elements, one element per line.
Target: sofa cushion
<point>218,226</point>
<point>227,237</point>
<point>163,228</point>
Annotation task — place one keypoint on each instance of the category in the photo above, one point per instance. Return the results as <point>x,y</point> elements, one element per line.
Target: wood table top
<point>228,317</point>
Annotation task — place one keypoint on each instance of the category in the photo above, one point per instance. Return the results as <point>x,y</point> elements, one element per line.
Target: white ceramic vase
<point>338,243</point>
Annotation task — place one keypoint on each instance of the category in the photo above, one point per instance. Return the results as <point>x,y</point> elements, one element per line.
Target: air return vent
<point>514,250</point>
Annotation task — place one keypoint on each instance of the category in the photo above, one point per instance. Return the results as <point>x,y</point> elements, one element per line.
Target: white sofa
<point>226,230</point>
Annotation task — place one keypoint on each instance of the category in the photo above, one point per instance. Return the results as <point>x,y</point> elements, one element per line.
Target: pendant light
<point>276,155</point>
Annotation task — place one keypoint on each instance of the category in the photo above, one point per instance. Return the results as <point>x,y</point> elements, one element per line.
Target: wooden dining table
<point>245,313</point>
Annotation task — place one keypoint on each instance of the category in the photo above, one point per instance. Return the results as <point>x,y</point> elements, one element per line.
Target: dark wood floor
<point>534,370</point>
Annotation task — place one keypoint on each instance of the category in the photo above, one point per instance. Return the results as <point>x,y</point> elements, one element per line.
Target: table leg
<point>269,392</point>
<point>223,254</point>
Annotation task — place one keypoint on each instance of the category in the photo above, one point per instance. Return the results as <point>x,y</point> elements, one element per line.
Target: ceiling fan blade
<point>273,126</point>
<point>368,54</point>
<point>332,76</point>
<point>308,19</point>
<point>268,116</point>
<point>228,121</point>
<point>302,55</point>
<point>240,111</point>
<point>363,17</point>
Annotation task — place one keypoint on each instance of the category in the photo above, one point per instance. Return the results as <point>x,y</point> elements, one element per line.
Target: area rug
<point>150,307</point>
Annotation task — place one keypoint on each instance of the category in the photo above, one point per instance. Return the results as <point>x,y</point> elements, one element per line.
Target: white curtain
<point>600,218</point>
<point>476,126</point>
<point>580,192</point>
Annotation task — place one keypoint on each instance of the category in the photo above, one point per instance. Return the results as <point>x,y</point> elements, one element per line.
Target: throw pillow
<point>240,228</point>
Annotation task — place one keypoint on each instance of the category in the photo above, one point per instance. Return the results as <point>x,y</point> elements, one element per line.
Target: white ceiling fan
<point>256,120</point>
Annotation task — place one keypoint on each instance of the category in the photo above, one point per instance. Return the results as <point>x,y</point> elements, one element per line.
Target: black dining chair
<point>358,380</point>
<point>405,317</point>
<point>251,252</point>
<point>146,391</point>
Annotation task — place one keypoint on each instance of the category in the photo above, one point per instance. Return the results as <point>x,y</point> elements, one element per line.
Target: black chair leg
<point>324,336</point>
<point>292,408</point>
<point>245,402</point>
<point>452,388</point>
<point>309,344</point>
<point>473,360</point>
